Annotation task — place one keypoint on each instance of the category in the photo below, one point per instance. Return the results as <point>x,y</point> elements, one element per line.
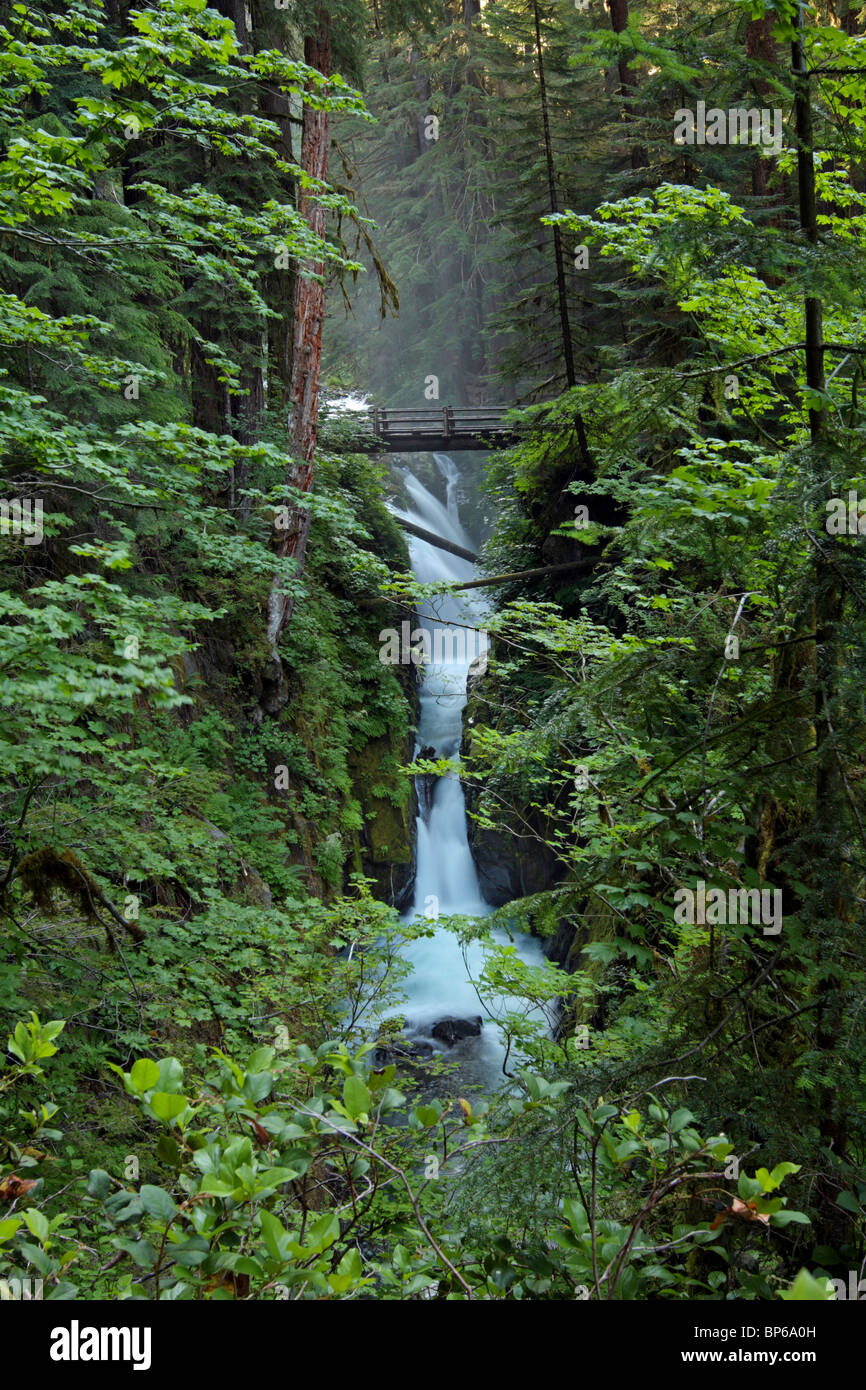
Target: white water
<point>447,883</point>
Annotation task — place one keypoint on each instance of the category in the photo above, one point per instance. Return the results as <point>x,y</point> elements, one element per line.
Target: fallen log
<point>433,539</point>
<point>586,563</point>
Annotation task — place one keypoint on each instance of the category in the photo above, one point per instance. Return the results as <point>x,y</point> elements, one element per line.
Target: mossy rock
<point>387,840</point>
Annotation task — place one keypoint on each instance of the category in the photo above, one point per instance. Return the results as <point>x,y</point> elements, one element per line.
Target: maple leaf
<point>261,1133</point>
<point>748,1211</point>
<point>13,1187</point>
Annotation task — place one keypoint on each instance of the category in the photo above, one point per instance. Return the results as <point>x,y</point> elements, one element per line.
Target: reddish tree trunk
<point>619,23</point>
<point>307,315</point>
<point>760,44</point>
<point>627,76</point>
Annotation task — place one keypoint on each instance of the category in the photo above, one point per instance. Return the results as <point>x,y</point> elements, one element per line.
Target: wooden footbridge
<point>448,429</point>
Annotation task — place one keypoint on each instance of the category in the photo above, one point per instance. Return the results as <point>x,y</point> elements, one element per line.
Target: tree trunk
<point>808,218</point>
<point>307,315</point>
<point>565,327</point>
<point>422,88</point>
<point>627,76</point>
<point>829,815</point>
<point>619,23</point>
<point>760,45</point>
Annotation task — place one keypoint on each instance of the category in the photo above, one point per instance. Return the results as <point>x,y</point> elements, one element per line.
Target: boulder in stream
<point>452,1030</point>
<point>425,785</point>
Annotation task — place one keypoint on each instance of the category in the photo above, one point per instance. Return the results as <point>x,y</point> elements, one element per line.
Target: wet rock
<point>512,867</point>
<point>401,1050</point>
<point>477,668</point>
<point>509,867</point>
<point>425,785</point>
<point>386,842</point>
<point>412,1058</point>
<point>452,1030</point>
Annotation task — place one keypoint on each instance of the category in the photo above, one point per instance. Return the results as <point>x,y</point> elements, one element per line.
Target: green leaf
<point>747,1187</point>
<point>847,1202</point>
<point>275,1236</point>
<point>170,1074</point>
<point>782,1170</point>
<point>356,1097</point>
<point>157,1202</point>
<point>680,1118</point>
<point>258,1085</point>
<point>141,1251</point>
<point>99,1183</point>
<point>38,1257</point>
<point>770,1181</point>
<point>349,1272</point>
<point>275,1177</point>
<point>167,1150</point>
<point>826,1255</point>
<point>144,1075</point>
<point>212,1186</point>
<point>806,1289</point>
<point>8,1228</point>
<point>38,1225</point>
<point>124,1206</point>
<point>324,1233</point>
<point>575,1215</point>
<point>190,1252</point>
<point>351,1263</point>
<point>167,1107</point>
<point>604,1112</point>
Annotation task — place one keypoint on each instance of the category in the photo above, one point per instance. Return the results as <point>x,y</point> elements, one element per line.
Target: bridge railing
<point>440,421</point>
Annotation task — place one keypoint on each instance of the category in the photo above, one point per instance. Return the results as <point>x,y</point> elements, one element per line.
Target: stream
<point>440,985</point>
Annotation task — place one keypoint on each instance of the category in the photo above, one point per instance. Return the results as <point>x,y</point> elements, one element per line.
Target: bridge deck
<point>447,428</point>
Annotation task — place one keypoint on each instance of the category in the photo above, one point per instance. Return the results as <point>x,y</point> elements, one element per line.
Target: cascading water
<point>447,883</point>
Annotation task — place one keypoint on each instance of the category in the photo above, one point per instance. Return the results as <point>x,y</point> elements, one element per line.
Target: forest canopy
<point>614,253</point>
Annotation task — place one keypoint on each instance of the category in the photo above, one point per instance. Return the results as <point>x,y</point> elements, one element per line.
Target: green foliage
<point>240,1154</point>
<point>182,872</point>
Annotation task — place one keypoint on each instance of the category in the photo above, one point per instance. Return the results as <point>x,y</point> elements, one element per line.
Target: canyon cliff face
<point>509,865</point>
<point>517,866</point>
<point>386,845</point>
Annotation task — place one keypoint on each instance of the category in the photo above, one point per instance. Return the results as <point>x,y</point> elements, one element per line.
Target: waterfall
<point>446,881</point>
